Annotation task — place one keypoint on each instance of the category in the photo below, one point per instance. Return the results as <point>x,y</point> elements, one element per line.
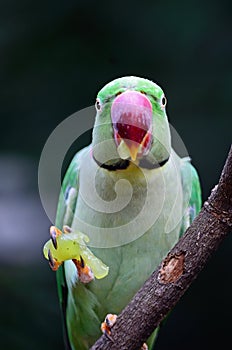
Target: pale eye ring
<point>98,104</point>
<point>163,101</point>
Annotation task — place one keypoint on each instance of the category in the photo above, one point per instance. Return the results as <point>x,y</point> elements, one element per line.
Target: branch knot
<point>172,268</point>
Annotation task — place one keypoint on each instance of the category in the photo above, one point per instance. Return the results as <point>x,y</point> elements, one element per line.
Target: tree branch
<point>177,271</point>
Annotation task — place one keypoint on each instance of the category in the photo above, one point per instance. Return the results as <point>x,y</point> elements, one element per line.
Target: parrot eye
<point>118,93</point>
<point>163,101</point>
<point>98,104</point>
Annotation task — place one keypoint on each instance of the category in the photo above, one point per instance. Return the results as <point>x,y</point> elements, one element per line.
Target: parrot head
<point>131,124</point>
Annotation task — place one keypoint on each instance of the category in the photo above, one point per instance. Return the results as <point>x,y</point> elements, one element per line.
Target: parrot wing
<point>191,193</point>
<point>65,213</point>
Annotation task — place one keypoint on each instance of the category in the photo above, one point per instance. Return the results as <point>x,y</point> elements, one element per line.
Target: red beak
<point>131,115</point>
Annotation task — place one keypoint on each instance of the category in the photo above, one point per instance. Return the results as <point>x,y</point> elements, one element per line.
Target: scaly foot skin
<point>85,273</point>
<point>108,323</point>
<point>69,245</point>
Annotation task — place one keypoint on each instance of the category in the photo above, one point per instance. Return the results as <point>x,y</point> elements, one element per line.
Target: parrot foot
<point>55,232</point>
<point>108,323</point>
<point>85,273</point>
<point>70,244</point>
<point>54,264</point>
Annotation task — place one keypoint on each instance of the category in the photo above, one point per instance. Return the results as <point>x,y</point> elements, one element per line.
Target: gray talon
<point>82,262</point>
<point>53,238</point>
<point>50,258</point>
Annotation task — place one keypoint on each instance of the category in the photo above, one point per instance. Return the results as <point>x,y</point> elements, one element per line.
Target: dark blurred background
<point>54,57</point>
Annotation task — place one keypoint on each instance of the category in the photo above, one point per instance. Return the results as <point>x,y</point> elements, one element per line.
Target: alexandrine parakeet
<point>125,201</point>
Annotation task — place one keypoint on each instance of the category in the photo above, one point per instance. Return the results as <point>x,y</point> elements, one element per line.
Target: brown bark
<point>176,272</point>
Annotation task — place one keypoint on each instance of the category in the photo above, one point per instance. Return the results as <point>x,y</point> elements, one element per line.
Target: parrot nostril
<point>134,98</point>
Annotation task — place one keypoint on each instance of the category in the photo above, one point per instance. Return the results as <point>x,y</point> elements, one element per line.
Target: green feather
<point>192,193</point>
<point>170,194</point>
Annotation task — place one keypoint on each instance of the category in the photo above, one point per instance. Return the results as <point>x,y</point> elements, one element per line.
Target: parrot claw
<point>54,241</point>
<point>52,262</point>
<point>50,258</point>
<point>108,323</point>
<point>85,273</point>
<point>144,347</point>
<point>108,336</point>
<point>54,233</point>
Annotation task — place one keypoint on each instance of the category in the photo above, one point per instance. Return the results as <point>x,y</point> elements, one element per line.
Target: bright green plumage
<point>132,245</point>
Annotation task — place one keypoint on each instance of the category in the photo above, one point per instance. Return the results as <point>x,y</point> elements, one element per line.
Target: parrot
<point>125,201</point>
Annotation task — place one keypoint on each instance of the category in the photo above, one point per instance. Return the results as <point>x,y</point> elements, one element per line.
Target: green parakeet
<point>125,201</point>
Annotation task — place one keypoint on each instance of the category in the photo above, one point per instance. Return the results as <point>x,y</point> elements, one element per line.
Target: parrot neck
<point>145,163</point>
<point>120,165</point>
<point>124,164</point>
